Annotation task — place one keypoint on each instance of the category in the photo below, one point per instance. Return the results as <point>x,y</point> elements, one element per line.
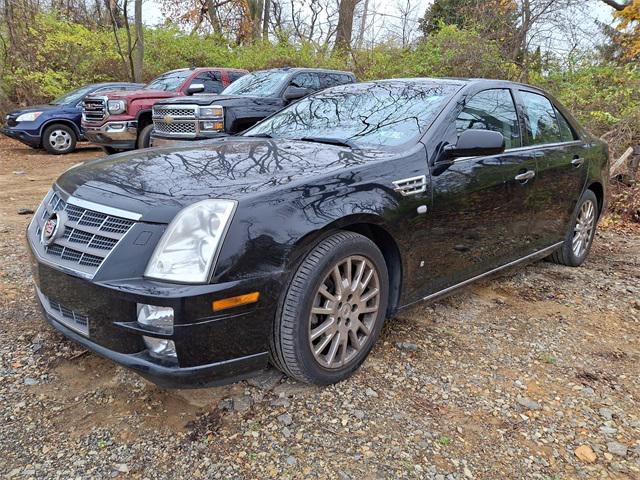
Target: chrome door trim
<point>485,274</point>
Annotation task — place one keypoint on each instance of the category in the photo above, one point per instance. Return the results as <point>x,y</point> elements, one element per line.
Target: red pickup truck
<point>122,120</point>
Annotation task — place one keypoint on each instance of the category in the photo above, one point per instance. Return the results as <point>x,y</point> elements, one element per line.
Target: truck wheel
<point>333,310</point>
<point>59,139</point>
<point>579,238</point>
<point>144,136</point>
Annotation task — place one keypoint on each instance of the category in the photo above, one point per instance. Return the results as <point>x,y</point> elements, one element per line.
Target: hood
<point>36,108</point>
<point>158,182</point>
<point>231,100</point>
<point>138,94</point>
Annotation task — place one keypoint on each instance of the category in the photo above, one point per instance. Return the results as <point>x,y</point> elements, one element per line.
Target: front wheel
<point>59,139</point>
<point>144,137</point>
<point>332,311</point>
<point>577,243</point>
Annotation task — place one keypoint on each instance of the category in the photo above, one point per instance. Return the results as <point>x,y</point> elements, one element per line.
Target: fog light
<point>159,320</point>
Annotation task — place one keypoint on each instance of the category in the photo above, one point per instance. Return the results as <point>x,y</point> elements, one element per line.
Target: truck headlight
<point>28,117</point>
<point>117,106</point>
<point>215,111</point>
<point>188,248</point>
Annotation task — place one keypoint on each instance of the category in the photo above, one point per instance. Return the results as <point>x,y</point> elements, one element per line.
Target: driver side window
<point>492,109</point>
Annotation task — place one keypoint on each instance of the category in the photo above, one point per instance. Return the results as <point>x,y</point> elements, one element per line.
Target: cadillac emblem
<point>168,119</point>
<point>53,228</point>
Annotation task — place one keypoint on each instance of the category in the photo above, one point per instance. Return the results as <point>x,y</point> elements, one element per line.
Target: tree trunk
<point>345,25</point>
<point>265,20</point>
<point>363,23</point>
<point>138,54</point>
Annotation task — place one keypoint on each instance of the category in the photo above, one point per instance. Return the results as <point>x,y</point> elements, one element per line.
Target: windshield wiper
<point>260,135</point>
<point>329,140</point>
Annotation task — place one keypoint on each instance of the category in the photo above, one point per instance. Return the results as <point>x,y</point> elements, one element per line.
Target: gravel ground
<point>532,375</point>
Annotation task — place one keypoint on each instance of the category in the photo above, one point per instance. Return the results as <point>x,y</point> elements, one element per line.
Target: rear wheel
<point>59,139</point>
<point>144,137</point>
<point>333,310</point>
<point>578,241</point>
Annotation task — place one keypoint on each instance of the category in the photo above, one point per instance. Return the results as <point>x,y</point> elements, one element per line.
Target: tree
<point>445,12</point>
<point>629,28</point>
<point>345,25</point>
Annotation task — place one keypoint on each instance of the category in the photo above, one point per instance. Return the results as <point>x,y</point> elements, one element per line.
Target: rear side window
<point>212,82</point>
<point>233,76</point>
<point>333,79</point>
<point>307,80</point>
<point>542,124</point>
<point>492,109</point>
<point>566,132</point>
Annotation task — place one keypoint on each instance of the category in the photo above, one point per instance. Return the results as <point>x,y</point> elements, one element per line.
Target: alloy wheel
<point>584,228</point>
<point>344,311</point>
<point>60,139</point>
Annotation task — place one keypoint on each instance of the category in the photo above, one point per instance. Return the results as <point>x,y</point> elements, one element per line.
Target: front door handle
<point>526,176</point>
<point>577,162</point>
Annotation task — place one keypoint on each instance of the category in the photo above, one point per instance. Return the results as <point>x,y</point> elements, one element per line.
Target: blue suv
<point>56,126</point>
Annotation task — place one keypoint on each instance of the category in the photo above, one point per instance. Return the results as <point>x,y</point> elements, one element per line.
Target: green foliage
<point>445,12</point>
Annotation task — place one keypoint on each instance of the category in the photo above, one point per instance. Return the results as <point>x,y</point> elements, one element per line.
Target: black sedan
<point>291,244</point>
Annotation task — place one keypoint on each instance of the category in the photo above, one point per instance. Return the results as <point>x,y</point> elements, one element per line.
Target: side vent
<point>411,186</point>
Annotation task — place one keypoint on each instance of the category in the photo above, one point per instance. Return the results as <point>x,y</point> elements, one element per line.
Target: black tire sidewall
<point>58,126</point>
<point>145,136</point>
<point>574,260</point>
<point>312,369</point>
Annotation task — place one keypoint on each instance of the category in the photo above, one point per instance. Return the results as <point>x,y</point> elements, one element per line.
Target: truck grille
<point>89,236</point>
<point>70,318</point>
<point>174,128</point>
<point>182,120</point>
<point>94,109</point>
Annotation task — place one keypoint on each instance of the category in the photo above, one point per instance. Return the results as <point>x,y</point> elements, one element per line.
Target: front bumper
<point>28,138</point>
<point>158,141</point>
<point>120,135</point>
<point>212,349</point>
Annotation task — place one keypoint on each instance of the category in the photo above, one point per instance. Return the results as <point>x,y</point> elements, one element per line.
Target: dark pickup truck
<point>239,106</point>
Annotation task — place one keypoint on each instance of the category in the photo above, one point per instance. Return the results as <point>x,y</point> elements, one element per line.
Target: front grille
<point>94,109</point>
<point>89,236</point>
<point>161,111</point>
<point>178,128</point>
<point>74,320</point>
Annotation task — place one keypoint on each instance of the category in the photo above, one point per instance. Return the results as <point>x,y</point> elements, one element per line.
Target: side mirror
<point>475,143</point>
<point>194,88</point>
<point>294,93</point>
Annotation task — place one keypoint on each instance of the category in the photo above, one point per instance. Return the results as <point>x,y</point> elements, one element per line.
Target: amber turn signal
<point>231,302</point>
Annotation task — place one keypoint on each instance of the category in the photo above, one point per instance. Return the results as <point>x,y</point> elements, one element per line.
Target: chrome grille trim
<point>90,235</point>
<point>184,120</point>
<point>94,109</point>
<point>74,320</point>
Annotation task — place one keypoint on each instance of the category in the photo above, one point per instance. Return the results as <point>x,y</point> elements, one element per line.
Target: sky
<point>386,18</point>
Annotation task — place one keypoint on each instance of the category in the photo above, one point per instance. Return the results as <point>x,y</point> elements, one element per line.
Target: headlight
<point>28,117</point>
<point>117,106</point>
<point>187,250</point>
<point>214,111</point>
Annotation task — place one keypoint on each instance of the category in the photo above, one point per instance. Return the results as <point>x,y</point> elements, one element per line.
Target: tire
<point>585,219</point>
<point>59,139</point>
<point>144,137</point>
<point>357,320</point>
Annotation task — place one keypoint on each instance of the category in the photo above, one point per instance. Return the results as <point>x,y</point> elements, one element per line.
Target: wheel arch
<point>372,227</point>
<point>144,118</point>
<point>61,121</point>
<point>598,189</point>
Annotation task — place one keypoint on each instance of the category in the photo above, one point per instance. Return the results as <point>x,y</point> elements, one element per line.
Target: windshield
<point>73,97</point>
<point>370,114</point>
<point>258,84</point>
<point>169,82</point>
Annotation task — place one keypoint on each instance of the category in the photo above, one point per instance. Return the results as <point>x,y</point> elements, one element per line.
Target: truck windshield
<point>383,114</point>
<point>73,97</point>
<point>169,82</point>
<point>258,84</point>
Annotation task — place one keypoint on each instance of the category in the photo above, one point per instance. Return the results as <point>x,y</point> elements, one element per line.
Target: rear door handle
<point>526,176</point>
<point>577,162</point>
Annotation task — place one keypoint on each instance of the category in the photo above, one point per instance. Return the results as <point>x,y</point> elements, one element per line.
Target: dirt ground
<point>533,375</point>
